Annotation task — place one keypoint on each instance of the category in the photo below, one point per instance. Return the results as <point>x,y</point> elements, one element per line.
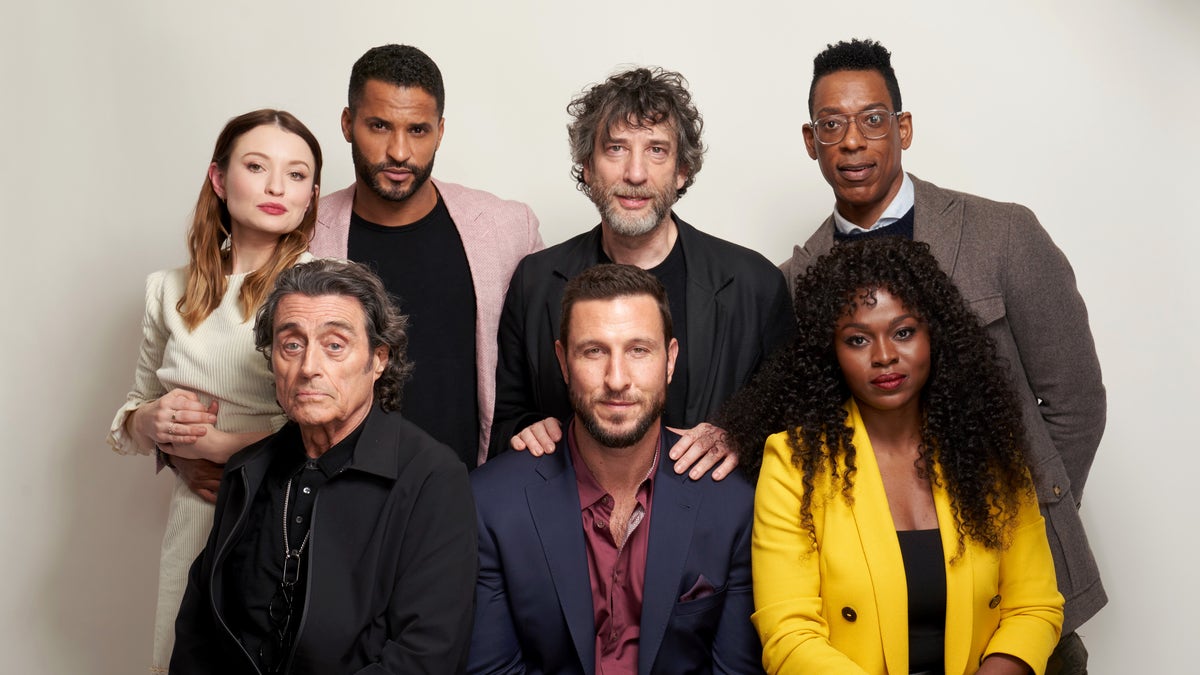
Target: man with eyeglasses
<point>345,542</point>
<point>1017,281</point>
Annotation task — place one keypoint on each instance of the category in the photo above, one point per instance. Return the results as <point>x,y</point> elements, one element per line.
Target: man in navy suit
<point>598,558</point>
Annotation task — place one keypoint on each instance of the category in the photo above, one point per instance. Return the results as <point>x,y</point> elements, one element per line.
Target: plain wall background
<point>1084,111</point>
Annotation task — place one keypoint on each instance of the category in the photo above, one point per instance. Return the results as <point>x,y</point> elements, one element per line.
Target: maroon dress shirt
<point>617,573</point>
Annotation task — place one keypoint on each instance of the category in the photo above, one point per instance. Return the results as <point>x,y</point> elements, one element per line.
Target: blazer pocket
<point>716,599</point>
<point>989,309</point>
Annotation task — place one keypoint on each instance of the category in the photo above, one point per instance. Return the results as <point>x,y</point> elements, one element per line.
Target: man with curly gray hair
<point>381,573</point>
<point>636,146</point>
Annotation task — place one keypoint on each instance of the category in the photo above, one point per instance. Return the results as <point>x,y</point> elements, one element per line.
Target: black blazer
<point>738,312</point>
<point>392,561</point>
<point>534,604</point>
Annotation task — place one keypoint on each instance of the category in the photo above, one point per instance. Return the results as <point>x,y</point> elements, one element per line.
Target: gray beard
<point>627,226</point>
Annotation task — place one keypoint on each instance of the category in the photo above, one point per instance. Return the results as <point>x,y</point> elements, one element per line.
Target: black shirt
<point>424,265</point>
<point>256,562</point>
<point>925,572</point>
<point>672,274</point>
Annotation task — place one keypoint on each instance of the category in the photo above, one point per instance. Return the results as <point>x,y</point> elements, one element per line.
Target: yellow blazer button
<point>849,614</point>
<point>994,602</point>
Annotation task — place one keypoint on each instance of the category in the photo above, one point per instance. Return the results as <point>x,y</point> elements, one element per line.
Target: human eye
<point>377,125</point>
<point>906,333</point>
<point>255,167</point>
<point>855,341</point>
<point>290,346</point>
<point>831,123</point>
<point>297,176</point>
<point>874,118</point>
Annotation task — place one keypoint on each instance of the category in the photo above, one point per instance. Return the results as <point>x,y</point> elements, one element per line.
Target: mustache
<point>384,166</point>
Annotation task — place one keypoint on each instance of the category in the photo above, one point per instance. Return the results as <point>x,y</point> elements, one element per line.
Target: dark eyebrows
<point>334,325</point>
<point>830,110</point>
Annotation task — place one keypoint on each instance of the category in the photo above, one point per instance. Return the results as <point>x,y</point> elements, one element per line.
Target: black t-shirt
<point>424,266</point>
<point>672,273</point>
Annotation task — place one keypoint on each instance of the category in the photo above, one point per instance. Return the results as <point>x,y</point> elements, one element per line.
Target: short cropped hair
<point>610,281</point>
<point>856,55</point>
<point>640,97</point>
<point>385,325</point>
<point>400,66</point>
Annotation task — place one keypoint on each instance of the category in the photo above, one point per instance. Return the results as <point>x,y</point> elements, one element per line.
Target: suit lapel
<point>881,548</point>
<point>707,326</point>
<point>938,221</point>
<point>672,519</point>
<point>554,506</point>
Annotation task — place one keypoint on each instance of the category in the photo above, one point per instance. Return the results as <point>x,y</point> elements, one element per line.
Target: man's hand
<point>538,438</point>
<point>700,449</point>
<point>202,476</point>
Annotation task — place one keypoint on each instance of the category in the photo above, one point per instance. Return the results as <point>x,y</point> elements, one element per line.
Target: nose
<point>398,148</point>
<point>884,354</point>
<point>275,186</point>
<point>310,362</point>
<point>616,376</point>
<point>635,169</point>
<point>853,138</point>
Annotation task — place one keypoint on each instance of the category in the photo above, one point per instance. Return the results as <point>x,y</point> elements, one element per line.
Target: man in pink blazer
<point>445,251</point>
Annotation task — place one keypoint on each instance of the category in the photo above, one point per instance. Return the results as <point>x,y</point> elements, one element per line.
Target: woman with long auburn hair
<point>201,392</point>
<point>896,528</point>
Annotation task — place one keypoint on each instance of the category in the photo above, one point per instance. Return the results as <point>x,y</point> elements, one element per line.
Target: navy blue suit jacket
<point>533,598</point>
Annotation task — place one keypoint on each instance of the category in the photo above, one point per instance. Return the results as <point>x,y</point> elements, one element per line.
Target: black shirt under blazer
<point>392,561</point>
<point>738,312</point>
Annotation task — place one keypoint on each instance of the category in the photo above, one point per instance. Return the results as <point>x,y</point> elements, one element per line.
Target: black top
<point>256,562</point>
<point>925,571</point>
<point>901,228</point>
<point>672,274</point>
<point>425,267</point>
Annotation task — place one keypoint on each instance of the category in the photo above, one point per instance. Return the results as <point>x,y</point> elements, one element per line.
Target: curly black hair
<point>971,429</point>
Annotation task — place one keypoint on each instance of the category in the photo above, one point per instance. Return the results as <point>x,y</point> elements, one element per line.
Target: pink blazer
<point>496,234</point>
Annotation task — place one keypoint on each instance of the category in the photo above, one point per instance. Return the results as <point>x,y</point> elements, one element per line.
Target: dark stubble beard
<point>604,197</point>
<point>370,173</point>
<point>584,412</point>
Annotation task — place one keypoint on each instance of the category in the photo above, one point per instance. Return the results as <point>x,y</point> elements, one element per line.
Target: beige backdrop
<point>1084,111</point>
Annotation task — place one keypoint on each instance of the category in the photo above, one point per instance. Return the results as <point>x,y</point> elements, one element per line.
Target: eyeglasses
<point>274,650</point>
<point>872,124</point>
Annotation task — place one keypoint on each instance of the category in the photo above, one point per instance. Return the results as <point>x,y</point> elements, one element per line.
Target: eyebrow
<point>294,326</point>
<point>830,110</point>
<point>255,153</point>
<point>900,319</point>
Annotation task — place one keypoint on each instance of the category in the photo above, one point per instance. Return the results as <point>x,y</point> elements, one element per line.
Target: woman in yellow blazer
<point>896,529</point>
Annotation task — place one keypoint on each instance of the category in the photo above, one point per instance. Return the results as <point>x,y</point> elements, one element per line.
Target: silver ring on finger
<point>171,430</point>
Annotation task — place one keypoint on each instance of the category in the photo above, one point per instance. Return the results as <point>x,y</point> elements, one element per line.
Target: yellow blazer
<point>843,608</point>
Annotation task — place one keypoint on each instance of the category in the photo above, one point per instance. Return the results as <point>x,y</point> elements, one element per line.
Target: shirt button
<point>600,524</point>
<point>608,501</point>
<point>849,614</point>
<point>994,602</point>
<point>307,490</point>
<point>299,519</point>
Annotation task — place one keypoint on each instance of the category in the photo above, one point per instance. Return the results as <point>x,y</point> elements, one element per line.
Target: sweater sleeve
<point>787,574</point>
<point>146,385</point>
